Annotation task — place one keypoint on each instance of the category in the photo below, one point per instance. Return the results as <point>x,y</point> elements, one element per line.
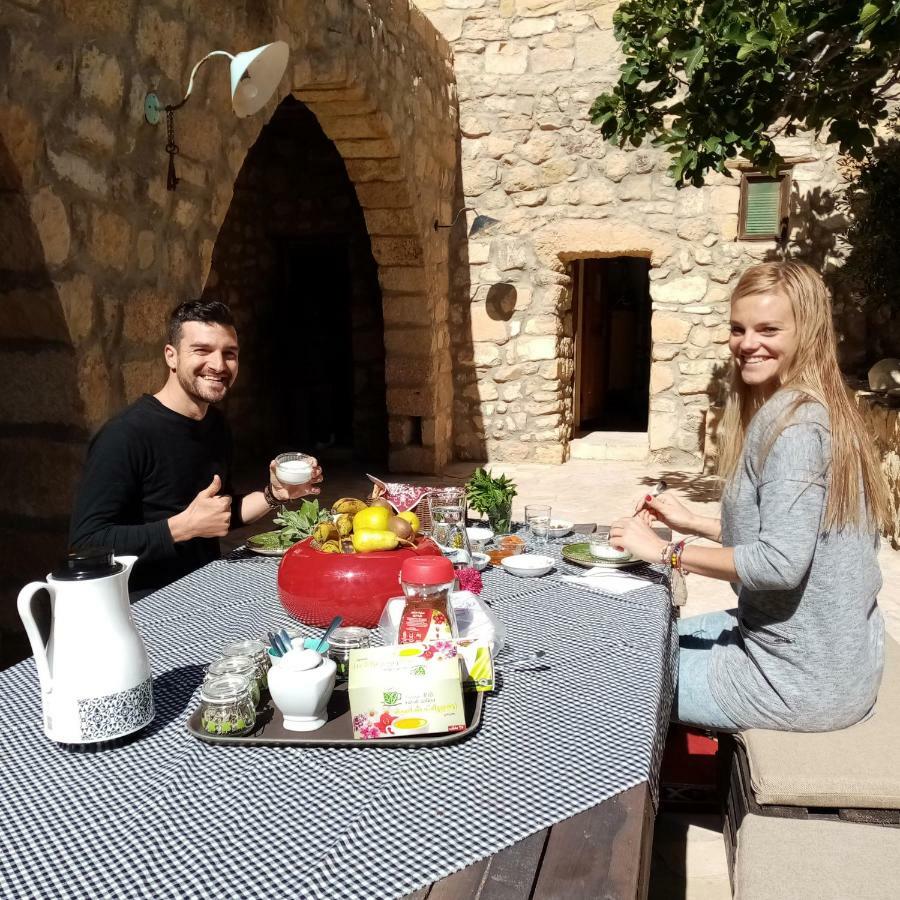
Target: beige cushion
<point>858,767</point>
<point>790,859</point>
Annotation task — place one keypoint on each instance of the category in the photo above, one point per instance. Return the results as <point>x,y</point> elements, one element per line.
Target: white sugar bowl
<point>301,687</point>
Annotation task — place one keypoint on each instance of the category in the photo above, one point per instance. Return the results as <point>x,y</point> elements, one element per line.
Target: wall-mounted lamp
<point>479,224</point>
<point>254,77</point>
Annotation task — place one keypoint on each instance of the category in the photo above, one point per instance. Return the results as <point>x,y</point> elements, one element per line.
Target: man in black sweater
<point>157,481</point>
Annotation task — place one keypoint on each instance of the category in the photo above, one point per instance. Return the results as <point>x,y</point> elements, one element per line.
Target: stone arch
<point>396,135</point>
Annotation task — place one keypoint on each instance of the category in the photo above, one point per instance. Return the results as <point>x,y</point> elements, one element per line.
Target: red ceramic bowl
<point>314,587</point>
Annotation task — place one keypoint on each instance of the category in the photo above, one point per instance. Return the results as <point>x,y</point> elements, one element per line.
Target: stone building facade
<point>527,72</point>
<point>421,109</point>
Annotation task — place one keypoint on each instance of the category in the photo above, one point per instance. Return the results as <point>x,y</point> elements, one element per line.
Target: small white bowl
<point>481,561</point>
<point>559,528</point>
<point>528,565</point>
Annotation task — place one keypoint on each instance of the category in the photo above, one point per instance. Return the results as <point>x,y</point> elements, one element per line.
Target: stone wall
<point>883,423</point>
<point>527,72</point>
<point>94,251</point>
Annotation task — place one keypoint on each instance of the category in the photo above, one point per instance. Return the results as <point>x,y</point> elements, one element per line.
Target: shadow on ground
<point>697,488</point>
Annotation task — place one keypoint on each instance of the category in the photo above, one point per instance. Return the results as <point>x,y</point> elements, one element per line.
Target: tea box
<point>406,689</point>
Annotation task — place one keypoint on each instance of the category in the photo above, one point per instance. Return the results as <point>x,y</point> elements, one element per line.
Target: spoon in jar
<point>324,639</point>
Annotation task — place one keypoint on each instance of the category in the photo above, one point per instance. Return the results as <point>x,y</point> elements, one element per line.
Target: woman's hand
<point>669,510</point>
<point>636,536</point>
<point>287,492</point>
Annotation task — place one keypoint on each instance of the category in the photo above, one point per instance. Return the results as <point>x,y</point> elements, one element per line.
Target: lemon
<point>413,520</point>
<point>372,518</point>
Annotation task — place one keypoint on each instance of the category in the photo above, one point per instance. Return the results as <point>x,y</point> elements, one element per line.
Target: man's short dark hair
<point>214,312</point>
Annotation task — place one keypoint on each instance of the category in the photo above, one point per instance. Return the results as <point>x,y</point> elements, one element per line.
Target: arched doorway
<point>294,260</point>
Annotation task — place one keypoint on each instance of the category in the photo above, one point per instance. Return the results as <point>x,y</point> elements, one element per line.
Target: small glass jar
<point>341,642</point>
<point>257,651</point>
<point>226,705</point>
<point>237,665</point>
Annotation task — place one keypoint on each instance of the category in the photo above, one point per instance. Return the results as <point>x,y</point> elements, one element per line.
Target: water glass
<point>537,518</point>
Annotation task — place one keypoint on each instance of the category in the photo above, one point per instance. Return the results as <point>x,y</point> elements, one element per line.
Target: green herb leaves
<point>296,525</point>
<point>486,493</point>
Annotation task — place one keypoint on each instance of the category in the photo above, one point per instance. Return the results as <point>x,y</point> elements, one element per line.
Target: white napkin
<point>610,581</point>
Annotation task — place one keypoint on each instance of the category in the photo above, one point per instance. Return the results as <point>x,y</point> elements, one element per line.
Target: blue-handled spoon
<point>324,639</point>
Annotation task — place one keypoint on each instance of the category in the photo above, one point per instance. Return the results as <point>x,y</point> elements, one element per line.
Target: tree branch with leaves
<point>716,80</point>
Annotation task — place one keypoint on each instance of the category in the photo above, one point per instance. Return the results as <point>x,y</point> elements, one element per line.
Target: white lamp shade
<point>255,75</point>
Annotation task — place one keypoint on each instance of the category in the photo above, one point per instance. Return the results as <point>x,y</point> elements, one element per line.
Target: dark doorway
<point>612,344</point>
<point>313,298</point>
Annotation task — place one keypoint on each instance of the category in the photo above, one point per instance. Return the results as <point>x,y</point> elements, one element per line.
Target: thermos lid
<point>427,570</point>
<point>87,563</point>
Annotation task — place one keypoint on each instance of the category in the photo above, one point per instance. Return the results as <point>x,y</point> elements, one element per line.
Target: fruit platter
<point>349,562</point>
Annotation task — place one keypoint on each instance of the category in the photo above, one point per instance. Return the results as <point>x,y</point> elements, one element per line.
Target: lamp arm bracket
<point>190,87</point>
<point>455,218</point>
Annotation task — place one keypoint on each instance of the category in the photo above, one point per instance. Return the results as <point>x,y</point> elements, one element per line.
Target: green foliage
<point>486,493</point>
<point>296,525</point>
<point>710,80</point>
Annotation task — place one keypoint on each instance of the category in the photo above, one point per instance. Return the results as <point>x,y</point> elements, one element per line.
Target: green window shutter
<point>762,214</point>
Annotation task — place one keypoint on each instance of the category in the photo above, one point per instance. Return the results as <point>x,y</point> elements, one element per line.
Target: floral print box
<point>406,689</point>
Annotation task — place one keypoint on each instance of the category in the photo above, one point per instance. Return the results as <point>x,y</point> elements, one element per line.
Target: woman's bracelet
<point>271,499</point>
<point>671,555</point>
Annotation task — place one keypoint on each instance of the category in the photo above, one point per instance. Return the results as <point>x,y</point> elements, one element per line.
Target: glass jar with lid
<point>237,665</point>
<point>226,705</point>
<point>341,642</point>
<point>257,651</point>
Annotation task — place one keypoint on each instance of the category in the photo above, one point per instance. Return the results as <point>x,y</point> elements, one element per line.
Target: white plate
<point>265,551</point>
<point>559,528</point>
<point>528,565</point>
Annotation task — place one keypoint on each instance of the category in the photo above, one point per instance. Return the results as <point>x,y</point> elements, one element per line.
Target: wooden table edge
<point>602,852</point>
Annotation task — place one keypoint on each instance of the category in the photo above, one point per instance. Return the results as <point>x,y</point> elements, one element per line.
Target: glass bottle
<point>226,705</point>
<point>428,613</point>
<point>341,642</point>
<point>257,651</point>
<point>237,665</point>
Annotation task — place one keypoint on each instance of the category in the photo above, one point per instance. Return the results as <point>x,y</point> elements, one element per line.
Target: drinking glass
<point>448,522</point>
<point>537,518</point>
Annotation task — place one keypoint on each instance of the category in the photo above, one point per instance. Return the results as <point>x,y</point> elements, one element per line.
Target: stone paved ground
<point>688,852</point>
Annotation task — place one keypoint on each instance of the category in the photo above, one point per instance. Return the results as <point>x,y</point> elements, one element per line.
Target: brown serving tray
<point>336,732</point>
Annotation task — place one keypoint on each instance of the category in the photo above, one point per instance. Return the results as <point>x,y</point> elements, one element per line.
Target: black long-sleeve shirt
<point>144,466</point>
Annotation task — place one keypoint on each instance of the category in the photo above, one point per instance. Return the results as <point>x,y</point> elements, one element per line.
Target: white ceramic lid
<point>299,660</point>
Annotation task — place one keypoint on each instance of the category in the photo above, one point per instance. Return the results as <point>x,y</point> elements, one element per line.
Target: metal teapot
<point>94,671</point>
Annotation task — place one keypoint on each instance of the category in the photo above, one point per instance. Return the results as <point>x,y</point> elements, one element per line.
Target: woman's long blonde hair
<point>814,372</point>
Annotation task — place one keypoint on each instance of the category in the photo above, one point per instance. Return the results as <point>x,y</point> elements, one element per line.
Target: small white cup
<point>293,468</point>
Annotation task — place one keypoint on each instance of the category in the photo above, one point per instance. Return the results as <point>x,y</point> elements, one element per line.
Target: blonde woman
<point>802,505</point>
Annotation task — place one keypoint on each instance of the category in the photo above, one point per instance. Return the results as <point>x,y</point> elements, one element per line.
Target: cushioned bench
<point>818,815</point>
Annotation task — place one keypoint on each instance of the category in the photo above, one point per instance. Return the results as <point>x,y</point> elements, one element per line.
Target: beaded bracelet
<point>675,559</point>
<point>271,499</point>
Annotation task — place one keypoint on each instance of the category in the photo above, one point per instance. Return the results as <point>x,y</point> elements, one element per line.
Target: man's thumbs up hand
<point>209,515</point>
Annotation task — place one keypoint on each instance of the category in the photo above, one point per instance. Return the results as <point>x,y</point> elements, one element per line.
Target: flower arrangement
<point>469,580</point>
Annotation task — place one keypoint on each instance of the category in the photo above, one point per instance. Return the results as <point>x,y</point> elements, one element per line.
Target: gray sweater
<point>808,651</point>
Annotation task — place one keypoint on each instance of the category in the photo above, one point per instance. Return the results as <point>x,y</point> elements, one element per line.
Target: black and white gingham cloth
<point>166,815</point>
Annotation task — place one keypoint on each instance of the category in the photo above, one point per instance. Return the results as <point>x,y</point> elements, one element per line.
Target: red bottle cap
<point>427,570</point>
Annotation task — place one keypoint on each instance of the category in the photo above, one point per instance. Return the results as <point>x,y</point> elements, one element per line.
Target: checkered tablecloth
<point>166,815</point>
